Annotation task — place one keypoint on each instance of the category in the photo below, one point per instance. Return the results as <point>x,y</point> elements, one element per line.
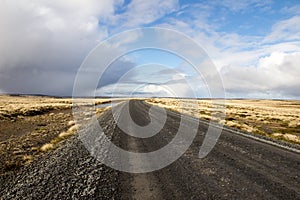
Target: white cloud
<point>43,43</point>
<point>153,80</point>
<point>285,30</point>
<point>30,28</point>
<point>135,89</point>
<point>173,89</point>
<point>238,6</point>
<point>140,12</point>
<point>157,90</point>
<point>295,9</point>
<point>276,74</point>
<point>251,67</point>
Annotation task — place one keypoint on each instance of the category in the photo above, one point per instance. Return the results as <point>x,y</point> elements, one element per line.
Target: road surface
<point>237,168</point>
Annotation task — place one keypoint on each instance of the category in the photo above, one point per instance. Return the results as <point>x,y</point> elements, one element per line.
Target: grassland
<point>31,126</point>
<point>278,119</point>
<point>18,106</point>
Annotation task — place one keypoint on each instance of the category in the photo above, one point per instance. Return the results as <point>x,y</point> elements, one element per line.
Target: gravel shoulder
<point>22,137</point>
<point>68,172</point>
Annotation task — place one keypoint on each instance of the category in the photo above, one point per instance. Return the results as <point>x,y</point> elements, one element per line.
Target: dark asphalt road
<point>237,168</point>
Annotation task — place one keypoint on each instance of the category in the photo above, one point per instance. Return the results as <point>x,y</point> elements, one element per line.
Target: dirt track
<point>237,168</point>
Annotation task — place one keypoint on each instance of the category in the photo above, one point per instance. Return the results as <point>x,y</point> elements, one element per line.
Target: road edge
<point>281,144</point>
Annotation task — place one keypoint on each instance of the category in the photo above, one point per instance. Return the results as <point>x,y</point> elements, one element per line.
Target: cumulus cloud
<point>157,80</point>
<point>171,89</point>
<point>275,75</point>
<point>43,43</point>
<point>253,66</point>
<point>137,89</point>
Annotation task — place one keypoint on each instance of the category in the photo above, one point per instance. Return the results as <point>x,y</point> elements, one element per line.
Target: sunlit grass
<point>14,106</point>
<point>22,149</point>
<point>277,119</point>
<point>63,135</point>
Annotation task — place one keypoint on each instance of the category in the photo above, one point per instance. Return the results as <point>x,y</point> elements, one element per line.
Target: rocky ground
<point>22,137</point>
<point>67,172</point>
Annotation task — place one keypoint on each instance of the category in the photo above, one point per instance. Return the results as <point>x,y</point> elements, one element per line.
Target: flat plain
<point>30,126</point>
<point>41,153</point>
<point>277,119</point>
<point>33,125</point>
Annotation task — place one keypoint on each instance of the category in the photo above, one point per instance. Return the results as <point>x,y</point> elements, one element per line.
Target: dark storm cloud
<point>115,71</point>
<point>43,43</point>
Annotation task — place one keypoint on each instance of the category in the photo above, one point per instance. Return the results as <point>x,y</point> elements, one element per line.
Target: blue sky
<point>255,45</point>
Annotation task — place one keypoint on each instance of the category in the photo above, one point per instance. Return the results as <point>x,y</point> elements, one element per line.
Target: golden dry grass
<point>13,106</point>
<point>63,135</point>
<point>279,119</point>
<point>21,106</point>
<point>73,128</point>
<point>25,106</point>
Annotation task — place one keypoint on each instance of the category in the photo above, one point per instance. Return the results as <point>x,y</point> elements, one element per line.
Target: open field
<point>278,119</point>
<point>237,168</point>
<point>31,126</point>
<point>18,106</point>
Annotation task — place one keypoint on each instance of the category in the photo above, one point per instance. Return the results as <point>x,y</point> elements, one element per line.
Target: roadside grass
<point>277,119</point>
<point>23,149</point>
<point>63,135</point>
<point>22,106</point>
<point>72,130</point>
<point>11,106</point>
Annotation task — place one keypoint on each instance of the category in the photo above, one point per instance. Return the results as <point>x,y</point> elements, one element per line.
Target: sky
<point>253,44</point>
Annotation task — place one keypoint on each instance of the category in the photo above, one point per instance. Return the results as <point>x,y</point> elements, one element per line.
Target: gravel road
<point>237,168</point>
